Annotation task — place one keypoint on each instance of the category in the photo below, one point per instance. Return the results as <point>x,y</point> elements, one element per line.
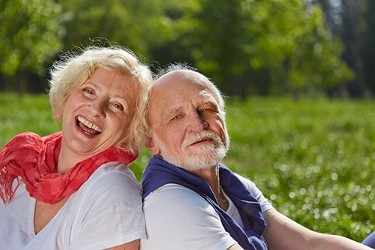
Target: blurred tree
<point>29,34</point>
<point>179,24</point>
<point>368,48</point>
<point>218,42</point>
<point>246,46</point>
<point>317,57</point>
<point>265,46</point>
<point>345,20</point>
<point>138,25</point>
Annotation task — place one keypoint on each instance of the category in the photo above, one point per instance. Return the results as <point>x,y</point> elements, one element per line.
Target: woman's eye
<point>88,91</point>
<point>118,106</point>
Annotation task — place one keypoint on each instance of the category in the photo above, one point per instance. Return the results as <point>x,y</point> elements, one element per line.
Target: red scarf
<point>34,159</point>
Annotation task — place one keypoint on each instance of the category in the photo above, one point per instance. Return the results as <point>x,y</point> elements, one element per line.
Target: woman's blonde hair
<point>73,70</point>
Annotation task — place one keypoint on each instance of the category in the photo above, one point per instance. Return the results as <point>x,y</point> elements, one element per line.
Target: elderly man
<point>191,200</point>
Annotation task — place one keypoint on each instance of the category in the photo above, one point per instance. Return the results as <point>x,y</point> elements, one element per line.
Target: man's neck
<point>209,175</point>
<point>212,178</point>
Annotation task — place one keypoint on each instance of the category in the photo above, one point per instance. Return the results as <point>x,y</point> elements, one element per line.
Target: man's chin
<point>200,162</point>
<point>198,159</point>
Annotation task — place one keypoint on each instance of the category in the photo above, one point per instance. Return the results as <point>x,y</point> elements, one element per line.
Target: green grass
<point>314,159</point>
<point>24,113</point>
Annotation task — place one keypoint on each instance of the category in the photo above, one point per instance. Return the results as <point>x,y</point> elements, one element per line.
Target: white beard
<point>206,157</point>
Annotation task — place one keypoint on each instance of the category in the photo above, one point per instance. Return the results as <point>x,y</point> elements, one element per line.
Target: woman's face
<point>98,113</point>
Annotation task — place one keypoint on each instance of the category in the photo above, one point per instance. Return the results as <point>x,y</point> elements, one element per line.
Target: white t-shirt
<point>178,218</point>
<point>106,211</point>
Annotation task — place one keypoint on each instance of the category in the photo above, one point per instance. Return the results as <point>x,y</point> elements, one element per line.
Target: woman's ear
<point>150,144</point>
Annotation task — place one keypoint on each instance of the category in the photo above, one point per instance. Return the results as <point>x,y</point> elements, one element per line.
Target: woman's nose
<point>99,108</point>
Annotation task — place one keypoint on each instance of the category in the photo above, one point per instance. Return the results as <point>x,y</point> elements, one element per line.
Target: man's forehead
<point>174,81</point>
<point>179,77</point>
<point>206,95</point>
<point>175,93</point>
<point>182,91</point>
<point>180,86</point>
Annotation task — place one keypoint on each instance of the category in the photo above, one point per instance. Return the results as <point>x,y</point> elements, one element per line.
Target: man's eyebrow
<point>208,102</point>
<point>171,112</point>
<point>207,96</point>
<point>207,99</point>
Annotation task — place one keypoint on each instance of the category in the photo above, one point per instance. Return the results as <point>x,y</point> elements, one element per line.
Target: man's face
<point>187,129</point>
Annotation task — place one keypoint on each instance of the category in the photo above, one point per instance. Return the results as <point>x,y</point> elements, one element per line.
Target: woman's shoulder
<point>113,176</point>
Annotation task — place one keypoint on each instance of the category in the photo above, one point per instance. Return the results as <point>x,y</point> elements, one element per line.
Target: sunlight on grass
<point>314,159</point>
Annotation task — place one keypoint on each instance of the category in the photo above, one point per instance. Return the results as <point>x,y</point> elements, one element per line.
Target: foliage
<point>314,159</point>
<point>138,25</point>
<point>248,47</point>
<point>368,48</point>
<point>316,58</point>
<point>345,18</point>
<point>236,42</point>
<point>29,34</point>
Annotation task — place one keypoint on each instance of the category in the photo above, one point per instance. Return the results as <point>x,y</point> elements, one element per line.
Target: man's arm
<point>283,233</point>
<point>133,245</point>
<point>235,247</point>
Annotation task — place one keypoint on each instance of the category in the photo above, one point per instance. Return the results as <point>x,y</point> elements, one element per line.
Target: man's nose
<point>197,123</point>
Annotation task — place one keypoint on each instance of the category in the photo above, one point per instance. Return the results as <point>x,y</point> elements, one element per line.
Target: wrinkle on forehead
<point>206,96</point>
<point>177,77</point>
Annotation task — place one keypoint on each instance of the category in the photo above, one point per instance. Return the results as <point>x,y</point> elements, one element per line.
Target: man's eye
<point>176,117</point>
<point>207,110</point>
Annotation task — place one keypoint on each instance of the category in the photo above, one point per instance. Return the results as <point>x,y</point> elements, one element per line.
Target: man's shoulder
<point>173,193</point>
<point>174,199</point>
<point>174,217</point>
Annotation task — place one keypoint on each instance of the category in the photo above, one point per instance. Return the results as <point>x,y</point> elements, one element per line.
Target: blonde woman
<point>73,189</point>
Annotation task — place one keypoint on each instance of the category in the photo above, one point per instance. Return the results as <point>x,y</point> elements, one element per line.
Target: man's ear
<point>150,144</point>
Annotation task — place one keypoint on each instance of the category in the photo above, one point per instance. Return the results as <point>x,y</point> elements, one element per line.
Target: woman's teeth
<point>89,124</point>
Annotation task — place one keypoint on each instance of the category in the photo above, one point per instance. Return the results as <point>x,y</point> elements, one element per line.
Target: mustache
<point>204,135</point>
